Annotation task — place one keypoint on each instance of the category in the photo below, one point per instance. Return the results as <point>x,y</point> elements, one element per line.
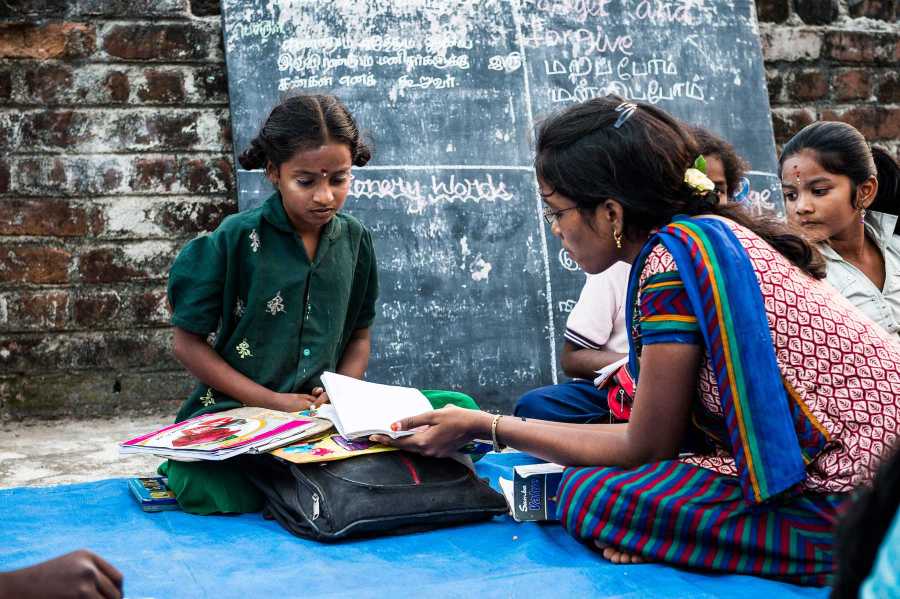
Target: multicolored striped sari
<point>756,523</point>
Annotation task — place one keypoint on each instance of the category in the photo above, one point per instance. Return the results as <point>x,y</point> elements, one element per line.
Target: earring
<point>618,238</point>
<point>862,215</point>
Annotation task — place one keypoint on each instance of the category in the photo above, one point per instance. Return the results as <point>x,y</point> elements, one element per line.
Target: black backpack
<point>377,494</point>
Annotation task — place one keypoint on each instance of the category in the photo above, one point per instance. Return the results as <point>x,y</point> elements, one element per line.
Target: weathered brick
<point>6,85</point>
<point>773,10</point>
<point>53,40</point>
<point>10,130</point>
<point>133,261</point>
<point>162,87</point>
<point>852,84</point>
<point>32,9</point>
<point>108,175</point>
<point>211,83</point>
<point>204,8</point>
<point>45,82</point>
<point>863,46</point>
<point>47,217</point>
<point>4,176</point>
<point>63,129</point>
<point>117,350</point>
<point>790,43</point>
<point>888,90</point>
<point>95,394</point>
<point>171,41</point>
<point>886,10</point>
<point>192,217</point>
<point>817,12</point>
<point>808,85</point>
<point>775,85</point>
<point>121,308</point>
<point>117,85</point>
<point>96,309</point>
<point>32,263</point>
<point>57,83</point>
<point>788,121</point>
<point>874,122</point>
<point>57,9</point>
<point>134,130</point>
<point>33,310</point>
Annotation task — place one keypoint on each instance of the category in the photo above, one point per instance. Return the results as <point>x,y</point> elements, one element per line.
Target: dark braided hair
<point>300,123</point>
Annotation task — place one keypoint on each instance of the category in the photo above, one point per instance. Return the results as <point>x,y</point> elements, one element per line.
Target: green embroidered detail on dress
<point>243,349</point>
<point>208,399</point>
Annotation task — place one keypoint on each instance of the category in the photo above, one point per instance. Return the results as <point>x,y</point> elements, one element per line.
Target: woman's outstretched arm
<point>666,388</point>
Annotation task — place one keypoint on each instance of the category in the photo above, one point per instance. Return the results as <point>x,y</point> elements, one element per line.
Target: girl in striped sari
<point>763,397</point>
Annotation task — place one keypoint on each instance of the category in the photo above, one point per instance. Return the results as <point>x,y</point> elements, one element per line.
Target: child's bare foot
<point>616,556</point>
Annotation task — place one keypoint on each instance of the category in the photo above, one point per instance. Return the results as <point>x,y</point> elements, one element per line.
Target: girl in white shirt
<point>832,179</point>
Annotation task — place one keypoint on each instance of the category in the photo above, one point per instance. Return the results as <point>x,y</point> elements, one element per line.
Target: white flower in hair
<point>698,181</point>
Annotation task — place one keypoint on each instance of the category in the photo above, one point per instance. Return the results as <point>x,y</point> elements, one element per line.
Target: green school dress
<point>277,317</point>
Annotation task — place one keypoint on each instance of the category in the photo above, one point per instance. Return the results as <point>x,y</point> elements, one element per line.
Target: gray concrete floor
<point>55,453</point>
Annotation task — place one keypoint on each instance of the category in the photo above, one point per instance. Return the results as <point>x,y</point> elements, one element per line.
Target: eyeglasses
<point>552,216</point>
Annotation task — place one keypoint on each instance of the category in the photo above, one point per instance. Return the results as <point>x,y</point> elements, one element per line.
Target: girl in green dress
<point>288,288</point>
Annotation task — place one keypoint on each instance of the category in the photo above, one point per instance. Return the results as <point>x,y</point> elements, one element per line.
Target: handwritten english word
<point>576,10</point>
<point>412,61</point>
<point>566,306</point>
<point>288,83</point>
<point>510,62</point>
<point>425,82</point>
<point>673,11</point>
<point>651,91</point>
<point>441,191</point>
<point>565,260</point>
<point>625,69</point>
<point>581,41</point>
<point>760,202</point>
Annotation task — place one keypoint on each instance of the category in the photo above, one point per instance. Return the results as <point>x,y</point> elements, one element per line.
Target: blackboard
<point>475,289</point>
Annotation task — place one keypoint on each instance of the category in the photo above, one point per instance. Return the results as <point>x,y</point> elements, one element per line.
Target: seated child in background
<point>595,331</point>
<point>831,178</point>
<point>289,288</point>
<point>595,337</point>
<point>723,165</point>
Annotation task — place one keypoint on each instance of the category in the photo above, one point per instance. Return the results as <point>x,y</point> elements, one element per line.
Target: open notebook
<point>359,408</point>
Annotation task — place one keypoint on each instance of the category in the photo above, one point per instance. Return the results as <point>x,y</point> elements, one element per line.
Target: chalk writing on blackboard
<point>475,289</point>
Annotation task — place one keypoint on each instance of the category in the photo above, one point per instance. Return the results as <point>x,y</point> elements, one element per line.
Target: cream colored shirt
<point>881,305</point>
<point>598,319</point>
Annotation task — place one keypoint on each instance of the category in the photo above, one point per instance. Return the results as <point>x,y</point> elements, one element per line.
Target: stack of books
<point>222,435</point>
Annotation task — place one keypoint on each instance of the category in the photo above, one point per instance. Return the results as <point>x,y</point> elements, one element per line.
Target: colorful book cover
<point>327,448</point>
<point>153,494</point>
<point>223,434</point>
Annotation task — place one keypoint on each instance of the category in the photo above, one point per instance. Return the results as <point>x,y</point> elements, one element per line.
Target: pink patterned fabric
<point>844,367</point>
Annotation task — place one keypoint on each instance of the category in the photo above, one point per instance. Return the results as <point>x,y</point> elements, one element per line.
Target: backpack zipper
<point>315,506</point>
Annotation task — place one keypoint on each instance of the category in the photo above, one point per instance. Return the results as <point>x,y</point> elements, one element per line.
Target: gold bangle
<point>497,445</point>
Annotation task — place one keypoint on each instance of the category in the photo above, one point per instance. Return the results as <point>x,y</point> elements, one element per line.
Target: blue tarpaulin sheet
<point>173,554</point>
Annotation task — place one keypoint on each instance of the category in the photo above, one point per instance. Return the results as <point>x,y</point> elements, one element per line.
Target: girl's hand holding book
<point>296,402</point>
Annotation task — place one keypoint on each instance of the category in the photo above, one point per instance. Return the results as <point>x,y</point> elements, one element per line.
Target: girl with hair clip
<point>743,438</point>
<point>289,289</point>
<point>844,195</point>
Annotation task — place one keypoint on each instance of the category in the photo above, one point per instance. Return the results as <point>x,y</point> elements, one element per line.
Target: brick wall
<point>114,132</point>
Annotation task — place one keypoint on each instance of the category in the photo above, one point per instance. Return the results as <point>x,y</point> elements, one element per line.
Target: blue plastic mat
<point>172,554</point>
